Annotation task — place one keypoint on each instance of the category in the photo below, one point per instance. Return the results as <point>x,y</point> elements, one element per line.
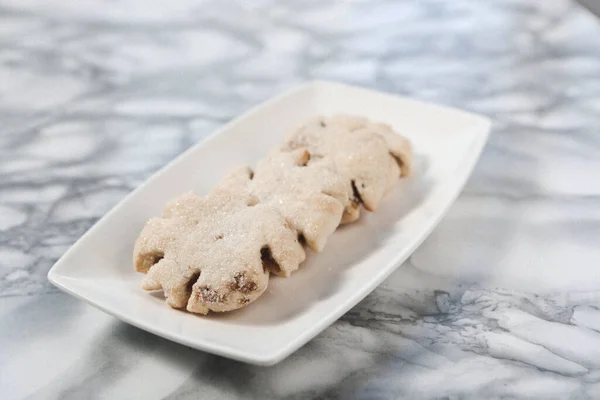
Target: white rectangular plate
<point>447,143</point>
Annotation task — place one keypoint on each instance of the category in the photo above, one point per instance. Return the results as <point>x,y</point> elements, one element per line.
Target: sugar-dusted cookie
<point>311,196</point>
<point>369,156</point>
<point>215,253</point>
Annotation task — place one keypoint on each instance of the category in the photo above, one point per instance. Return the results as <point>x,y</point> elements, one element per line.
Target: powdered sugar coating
<point>311,196</point>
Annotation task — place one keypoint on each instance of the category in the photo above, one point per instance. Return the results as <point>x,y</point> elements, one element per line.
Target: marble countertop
<point>503,299</point>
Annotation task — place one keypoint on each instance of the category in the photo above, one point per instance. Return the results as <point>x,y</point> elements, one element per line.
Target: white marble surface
<point>502,301</point>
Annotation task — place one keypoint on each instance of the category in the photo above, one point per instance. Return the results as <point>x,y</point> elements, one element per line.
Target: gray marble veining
<point>503,299</point>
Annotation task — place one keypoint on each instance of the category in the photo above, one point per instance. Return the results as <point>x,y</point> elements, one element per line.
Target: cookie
<point>311,196</point>
<point>215,253</point>
<point>369,156</point>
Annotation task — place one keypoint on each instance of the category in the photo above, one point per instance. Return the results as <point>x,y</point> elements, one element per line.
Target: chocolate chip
<point>242,284</point>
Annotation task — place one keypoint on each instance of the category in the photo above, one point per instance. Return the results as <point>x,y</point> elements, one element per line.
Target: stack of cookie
<point>215,253</point>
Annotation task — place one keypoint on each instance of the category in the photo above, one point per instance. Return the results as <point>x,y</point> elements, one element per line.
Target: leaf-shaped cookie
<point>370,156</point>
<point>214,253</point>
